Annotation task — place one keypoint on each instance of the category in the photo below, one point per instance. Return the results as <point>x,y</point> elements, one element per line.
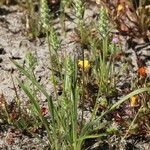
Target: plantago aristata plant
<point>102,64</point>
<point>52,40</point>
<point>79,12</point>
<point>62,16</point>
<point>65,124</point>
<point>44,13</point>
<point>103,22</point>
<point>79,8</point>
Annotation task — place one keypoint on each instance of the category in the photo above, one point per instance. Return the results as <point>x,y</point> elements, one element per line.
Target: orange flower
<point>142,71</point>
<point>133,101</point>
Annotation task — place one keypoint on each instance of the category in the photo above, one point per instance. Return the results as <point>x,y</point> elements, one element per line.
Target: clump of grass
<point>82,81</point>
<point>64,114</point>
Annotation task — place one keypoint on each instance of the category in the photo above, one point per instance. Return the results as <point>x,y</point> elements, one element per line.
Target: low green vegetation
<point>81,84</point>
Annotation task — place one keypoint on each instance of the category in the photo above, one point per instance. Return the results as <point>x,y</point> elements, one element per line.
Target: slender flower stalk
<point>79,8</point>
<point>103,22</point>
<point>44,14</point>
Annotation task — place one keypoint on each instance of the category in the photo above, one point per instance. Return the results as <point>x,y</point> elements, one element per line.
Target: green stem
<point>51,66</point>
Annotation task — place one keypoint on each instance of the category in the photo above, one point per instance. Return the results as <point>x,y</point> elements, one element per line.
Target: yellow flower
<point>84,64</point>
<point>120,7</point>
<point>133,101</point>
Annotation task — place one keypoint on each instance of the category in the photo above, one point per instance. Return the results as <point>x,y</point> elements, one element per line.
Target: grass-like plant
<point>63,128</point>
<point>64,120</point>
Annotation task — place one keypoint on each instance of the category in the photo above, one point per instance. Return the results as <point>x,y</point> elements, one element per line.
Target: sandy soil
<point>14,44</point>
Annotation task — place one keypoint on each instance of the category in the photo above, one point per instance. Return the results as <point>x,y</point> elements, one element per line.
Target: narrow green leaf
<point>92,123</point>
